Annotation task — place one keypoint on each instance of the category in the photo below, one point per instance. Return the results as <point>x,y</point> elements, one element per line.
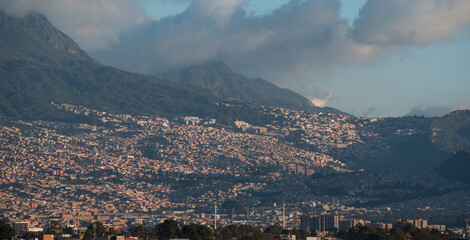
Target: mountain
<point>219,78</point>
<point>39,65</point>
<point>411,142</point>
<point>452,132</point>
<point>456,168</point>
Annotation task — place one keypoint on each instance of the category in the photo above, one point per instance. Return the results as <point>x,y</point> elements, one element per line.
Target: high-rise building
<point>21,228</point>
<point>419,223</point>
<point>327,222</point>
<point>306,222</point>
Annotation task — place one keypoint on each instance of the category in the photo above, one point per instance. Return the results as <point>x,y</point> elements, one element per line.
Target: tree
<point>30,235</point>
<point>142,233</point>
<point>95,229</point>
<point>425,234</point>
<point>197,232</point>
<point>449,234</point>
<point>6,231</point>
<point>55,228</point>
<point>248,232</point>
<point>407,227</point>
<point>228,232</point>
<point>396,234</point>
<point>168,229</point>
<point>300,234</point>
<point>360,232</point>
<point>112,231</point>
<point>69,230</point>
<point>274,229</point>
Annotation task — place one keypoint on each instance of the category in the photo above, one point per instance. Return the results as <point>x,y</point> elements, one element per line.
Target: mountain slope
<point>456,168</point>
<point>39,64</point>
<point>452,132</point>
<point>218,77</point>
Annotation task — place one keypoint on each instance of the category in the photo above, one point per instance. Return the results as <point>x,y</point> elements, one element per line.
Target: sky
<point>365,57</point>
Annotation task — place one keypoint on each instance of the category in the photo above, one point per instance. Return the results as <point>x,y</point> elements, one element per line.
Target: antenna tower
<point>283,215</point>
<point>215,216</point>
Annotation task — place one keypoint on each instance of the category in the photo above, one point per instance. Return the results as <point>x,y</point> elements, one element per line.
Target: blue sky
<point>429,80</point>
<point>364,57</point>
<point>433,77</point>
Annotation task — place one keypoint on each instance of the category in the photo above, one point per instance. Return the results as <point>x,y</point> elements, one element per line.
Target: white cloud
<point>464,105</point>
<point>415,22</point>
<point>322,100</point>
<point>430,111</point>
<point>438,110</point>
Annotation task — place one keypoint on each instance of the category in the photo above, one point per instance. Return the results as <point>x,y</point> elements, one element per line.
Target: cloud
<point>94,24</point>
<point>410,22</point>
<point>370,112</point>
<point>322,100</point>
<point>287,46</point>
<point>430,111</point>
<point>220,11</point>
<point>438,110</point>
<point>464,105</point>
<point>282,46</point>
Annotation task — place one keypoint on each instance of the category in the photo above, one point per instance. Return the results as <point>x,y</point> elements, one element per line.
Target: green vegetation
<point>456,168</point>
<point>39,65</point>
<point>245,232</point>
<point>400,231</point>
<point>142,233</point>
<point>197,232</point>
<point>168,229</point>
<point>6,231</point>
<point>414,151</point>
<point>98,229</point>
<point>55,228</point>
<point>219,78</point>
<point>452,132</point>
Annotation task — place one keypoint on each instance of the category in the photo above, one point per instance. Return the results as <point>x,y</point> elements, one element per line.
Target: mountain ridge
<point>40,64</point>
<point>456,168</point>
<point>216,76</point>
<point>452,131</point>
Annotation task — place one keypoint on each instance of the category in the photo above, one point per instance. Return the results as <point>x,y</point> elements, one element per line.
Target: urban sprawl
<point>125,170</point>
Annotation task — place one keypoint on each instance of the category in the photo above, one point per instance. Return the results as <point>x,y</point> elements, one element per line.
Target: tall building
<point>21,228</point>
<point>306,222</point>
<point>327,222</point>
<point>419,223</point>
<point>347,224</point>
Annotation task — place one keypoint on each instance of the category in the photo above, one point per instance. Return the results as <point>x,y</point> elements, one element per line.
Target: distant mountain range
<point>219,78</point>
<point>39,65</point>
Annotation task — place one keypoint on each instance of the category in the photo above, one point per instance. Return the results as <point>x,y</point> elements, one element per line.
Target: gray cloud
<point>430,111</point>
<point>410,22</point>
<point>94,24</point>
<point>438,110</point>
<point>285,46</point>
<point>370,112</point>
<point>290,41</point>
<point>464,105</point>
